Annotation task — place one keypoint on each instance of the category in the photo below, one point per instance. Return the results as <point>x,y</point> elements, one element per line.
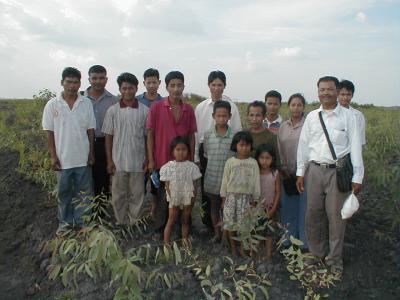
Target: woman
<point>293,204</point>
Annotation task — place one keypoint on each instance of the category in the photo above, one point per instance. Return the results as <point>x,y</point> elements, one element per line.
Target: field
<point>109,262</point>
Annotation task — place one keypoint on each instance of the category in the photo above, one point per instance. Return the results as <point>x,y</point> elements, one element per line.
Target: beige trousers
<point>324,225</point>
<point>127,196</point>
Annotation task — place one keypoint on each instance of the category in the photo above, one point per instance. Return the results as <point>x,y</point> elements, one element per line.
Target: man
<point>346,93</point>
<point>125,128</point>
<point>69,122</point>
<point>101,100</point>
<point>151,80</point>
<point>167,119</point>
<point>273,120</point>
<point>324,226</point>
<point>205,122</point>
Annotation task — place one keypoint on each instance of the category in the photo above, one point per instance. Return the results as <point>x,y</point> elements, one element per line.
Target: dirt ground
<point>27,219</point>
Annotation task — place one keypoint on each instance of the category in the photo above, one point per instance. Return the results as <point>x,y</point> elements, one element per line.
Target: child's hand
<point>222,203</point>
<point>271,212</point>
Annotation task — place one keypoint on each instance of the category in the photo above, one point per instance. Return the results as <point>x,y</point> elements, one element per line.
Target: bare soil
<point>28,218</point>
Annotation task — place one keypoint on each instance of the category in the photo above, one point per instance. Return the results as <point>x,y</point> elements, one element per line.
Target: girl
<point>179,176</point>
<point>240,184</point>
<point>270,186</point>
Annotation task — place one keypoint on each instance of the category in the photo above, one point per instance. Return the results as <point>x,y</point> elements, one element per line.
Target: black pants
<point>206,218</point>
<point>101,179</point>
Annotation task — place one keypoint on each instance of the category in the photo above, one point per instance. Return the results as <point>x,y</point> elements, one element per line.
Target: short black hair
<point>179,140</point>
<point>174,75</point>
<point>329,78</point>
<point>241,136</point>
<point>297,95</point>
<point>346,84</point>
<point>274,94</point>
<point>217,75</point>
<point>71,72</point>
<point>222,104</point>
<point>258,104</point>
<point>269,149</point>
<point>97,69</point>
<point>151,73</point>
<point>127,77</point>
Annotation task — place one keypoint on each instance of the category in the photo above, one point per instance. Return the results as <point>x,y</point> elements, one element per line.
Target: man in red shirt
<point>167,119</point>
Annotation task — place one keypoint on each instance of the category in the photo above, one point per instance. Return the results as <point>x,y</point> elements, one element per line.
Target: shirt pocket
<point>339,137</point>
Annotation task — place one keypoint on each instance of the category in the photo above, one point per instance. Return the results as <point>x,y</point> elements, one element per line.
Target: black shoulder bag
<point>344,167</point>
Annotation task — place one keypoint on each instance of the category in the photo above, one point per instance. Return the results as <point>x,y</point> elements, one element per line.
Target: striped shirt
<point>127,125</point>
<point>217,150</point>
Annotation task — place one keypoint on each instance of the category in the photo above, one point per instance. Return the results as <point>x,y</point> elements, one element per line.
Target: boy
<point>69,122</point>
<point>273,120</point>
<point>216,143</point>
<point>167,119</point>
<point>346,93</point>
<point>125,128</point>
<point>151,80</point>
<point>101,100</point>
<point>256,112</point>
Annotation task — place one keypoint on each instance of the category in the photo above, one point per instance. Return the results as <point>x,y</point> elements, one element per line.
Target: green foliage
<point>313,278</point>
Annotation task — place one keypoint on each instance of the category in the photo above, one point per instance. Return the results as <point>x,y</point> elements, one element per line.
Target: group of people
<point>97,141</point>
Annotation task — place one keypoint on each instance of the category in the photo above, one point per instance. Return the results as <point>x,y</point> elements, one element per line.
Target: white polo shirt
<point>70,129</point>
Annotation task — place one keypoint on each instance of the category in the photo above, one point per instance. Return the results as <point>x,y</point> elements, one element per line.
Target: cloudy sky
<point>260,45</point>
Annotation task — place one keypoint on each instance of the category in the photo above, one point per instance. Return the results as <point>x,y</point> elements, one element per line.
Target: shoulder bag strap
<point>327,136</point>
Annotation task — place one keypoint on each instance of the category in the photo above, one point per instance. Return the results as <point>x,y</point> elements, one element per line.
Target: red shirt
<point>161,120</point>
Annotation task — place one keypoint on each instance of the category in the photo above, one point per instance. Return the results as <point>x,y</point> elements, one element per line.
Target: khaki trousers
<point>324,225</point>
<point>127,196</point>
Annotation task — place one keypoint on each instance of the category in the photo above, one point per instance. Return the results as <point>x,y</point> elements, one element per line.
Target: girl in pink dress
<point>270,186</point>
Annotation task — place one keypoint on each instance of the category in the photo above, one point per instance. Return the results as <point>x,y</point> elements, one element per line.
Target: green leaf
<point>295,241</point>
<point>178,257</point>
<point>264,291</point>
<point>208,270</point>
<point>166,253</point>
<point>54,272</point>
<point>167,281</point>
<point>242,268</point>
<point>205,282</point>
<point>88,271</point>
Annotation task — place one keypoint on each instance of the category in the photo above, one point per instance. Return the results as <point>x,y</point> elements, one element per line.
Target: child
<point>273,120</point>
<point>124,128</point>
<point>270,186</point>
<point>240,184</point>
<point>217,142</point>
<point>256,112</point>
<point>179,176</point>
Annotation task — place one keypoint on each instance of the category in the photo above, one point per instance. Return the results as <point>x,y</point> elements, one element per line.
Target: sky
<point>260,45</point>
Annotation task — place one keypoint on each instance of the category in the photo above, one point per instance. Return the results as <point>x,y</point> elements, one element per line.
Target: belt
<point>323,165</point>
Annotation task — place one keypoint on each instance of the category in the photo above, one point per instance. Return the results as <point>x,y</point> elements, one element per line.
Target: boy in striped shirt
<point>217,142</point>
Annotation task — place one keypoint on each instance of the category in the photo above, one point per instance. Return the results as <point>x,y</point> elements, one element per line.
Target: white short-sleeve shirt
<point>70,129</point>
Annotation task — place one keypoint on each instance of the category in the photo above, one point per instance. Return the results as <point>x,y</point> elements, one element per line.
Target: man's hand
<point>222,202</point>
<point>55,163</point>
<point>110,167</point>
<point>300,184</point>
<point>91,159</point>
<point>356,188</point>
<point>151,165</point>
<point>144,166</point>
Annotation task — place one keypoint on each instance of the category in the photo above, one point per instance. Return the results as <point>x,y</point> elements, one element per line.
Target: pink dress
<point>267,182</point>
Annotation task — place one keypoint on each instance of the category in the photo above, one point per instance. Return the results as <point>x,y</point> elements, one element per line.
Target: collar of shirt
<point>133,104</point>
<point>227,133</point>
<point>278,120</point>
<point>105,94</point>
<point>299,124</point>
<point>61,99</point>
<point>335,111</point>
<point>167,103</point>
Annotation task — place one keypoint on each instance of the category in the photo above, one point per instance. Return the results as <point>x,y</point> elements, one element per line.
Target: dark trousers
<point>206,204</point>
<point>101,179</point>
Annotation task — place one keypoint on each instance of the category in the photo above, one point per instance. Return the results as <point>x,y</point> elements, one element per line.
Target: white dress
<point>180,176</point>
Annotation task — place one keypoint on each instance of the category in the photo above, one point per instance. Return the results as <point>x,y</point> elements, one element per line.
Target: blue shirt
<point>142,99</point>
